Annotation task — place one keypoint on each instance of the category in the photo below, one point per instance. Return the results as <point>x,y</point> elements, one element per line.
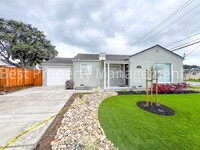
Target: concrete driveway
<point>22,109</point>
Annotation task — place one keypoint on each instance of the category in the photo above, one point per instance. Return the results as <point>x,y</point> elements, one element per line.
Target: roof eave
<point>154,47</point>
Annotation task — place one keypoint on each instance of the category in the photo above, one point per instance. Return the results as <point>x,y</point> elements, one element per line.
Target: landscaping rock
<point>80,128</point>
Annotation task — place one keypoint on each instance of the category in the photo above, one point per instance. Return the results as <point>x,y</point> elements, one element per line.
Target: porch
<point>116,75</point>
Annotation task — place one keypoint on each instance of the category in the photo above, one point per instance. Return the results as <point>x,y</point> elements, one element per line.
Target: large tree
<point>23,45</point>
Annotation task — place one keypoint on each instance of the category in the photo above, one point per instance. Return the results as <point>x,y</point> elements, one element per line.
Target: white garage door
<point>58,76</point>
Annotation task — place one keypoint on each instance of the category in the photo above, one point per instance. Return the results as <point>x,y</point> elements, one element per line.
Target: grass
<point>194,88</point>
<point>129,127</point>
<point>193,80</point>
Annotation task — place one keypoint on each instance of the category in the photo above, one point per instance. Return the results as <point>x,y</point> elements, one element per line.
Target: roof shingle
<point>96,57</point>
<point>60,60</point>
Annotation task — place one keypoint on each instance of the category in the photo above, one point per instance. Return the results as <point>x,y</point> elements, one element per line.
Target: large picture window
<point>86,69</point>
<point>164,73</point>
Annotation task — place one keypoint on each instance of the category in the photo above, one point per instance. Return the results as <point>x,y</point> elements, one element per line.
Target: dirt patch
<point>159,110</point>
<point>45,142</point>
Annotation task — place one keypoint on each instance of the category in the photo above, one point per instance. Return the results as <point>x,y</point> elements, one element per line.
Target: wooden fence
<point>15,78</point>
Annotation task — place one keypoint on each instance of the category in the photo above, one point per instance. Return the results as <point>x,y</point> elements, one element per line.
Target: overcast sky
<point>111,26</point>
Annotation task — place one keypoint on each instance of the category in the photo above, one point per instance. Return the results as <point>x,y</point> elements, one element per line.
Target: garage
<point>57,71</point>
<point>57,75</point>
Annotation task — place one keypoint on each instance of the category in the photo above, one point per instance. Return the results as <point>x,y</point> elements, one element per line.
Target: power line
<point>192,51</point>
<point>185,43</point>
<point>162,22</point>
<point>174,21</point>
<point>185,46</point>
<point>183,39</point>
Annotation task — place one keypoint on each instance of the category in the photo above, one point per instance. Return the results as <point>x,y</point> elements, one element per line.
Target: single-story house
<point>114,71</point>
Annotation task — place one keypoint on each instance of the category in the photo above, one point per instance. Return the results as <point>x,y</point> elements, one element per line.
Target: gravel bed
<point>80,128</point>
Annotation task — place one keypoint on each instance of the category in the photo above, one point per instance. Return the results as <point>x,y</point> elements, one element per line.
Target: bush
<point>69,84</point>
<point>170,88</point>
<point>80,95</point>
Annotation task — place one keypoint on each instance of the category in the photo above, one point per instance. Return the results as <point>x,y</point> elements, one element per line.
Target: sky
<point>114,26</point>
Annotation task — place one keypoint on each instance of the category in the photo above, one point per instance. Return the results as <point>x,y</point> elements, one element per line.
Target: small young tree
<point>154,80</point>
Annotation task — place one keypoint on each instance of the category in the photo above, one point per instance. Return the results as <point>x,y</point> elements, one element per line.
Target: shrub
<point>69,84</point>
<point>80,95</point>
<point>170,88</point>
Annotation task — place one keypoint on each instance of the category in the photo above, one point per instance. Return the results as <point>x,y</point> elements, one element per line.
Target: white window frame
<point>170,74</point>
<point>81,70</point>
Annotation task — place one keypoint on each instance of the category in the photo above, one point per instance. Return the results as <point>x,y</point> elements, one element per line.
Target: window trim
<point>87,74</point>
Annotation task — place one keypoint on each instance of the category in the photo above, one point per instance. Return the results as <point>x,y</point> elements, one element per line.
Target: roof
<point>59,60</point>
<point>96,57</point>
<point>160,47</point>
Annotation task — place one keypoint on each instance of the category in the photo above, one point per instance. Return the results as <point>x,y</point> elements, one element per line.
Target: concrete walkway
<point>194,83</point>
<point>22,109</point>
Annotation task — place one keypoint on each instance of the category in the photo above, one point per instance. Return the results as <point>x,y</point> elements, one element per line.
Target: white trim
<point>88,74</point>
<point>119,88</point>
<point>104,74</point>
<point>117,62</point>
<point>171,67</point>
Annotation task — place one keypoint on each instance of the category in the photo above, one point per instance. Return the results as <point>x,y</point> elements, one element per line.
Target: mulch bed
<point>45,142</point>
<point>159,110</point>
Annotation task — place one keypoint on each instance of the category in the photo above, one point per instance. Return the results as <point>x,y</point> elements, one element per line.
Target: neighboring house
<point>192,74</point>
<point>114,71</point>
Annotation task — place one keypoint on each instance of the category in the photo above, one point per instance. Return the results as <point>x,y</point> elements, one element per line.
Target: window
<point>164,73</point>
<point>86,69</point>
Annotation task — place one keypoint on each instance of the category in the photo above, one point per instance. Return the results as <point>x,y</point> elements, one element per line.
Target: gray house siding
<point>149,58</point>
<point>134,67</point>
<point>88,81</point>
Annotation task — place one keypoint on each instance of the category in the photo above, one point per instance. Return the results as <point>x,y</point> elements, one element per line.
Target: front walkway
<point>25,108</point>
<point>194,83</point>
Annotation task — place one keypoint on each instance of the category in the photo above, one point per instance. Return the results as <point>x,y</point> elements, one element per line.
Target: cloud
<point>110,26</point>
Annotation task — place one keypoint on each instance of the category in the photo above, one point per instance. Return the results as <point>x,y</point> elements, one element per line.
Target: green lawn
<point>131,128</point>
<point>193,80</point>
<point>194,88</point>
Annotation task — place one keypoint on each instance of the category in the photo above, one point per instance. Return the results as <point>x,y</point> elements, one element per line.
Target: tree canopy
<point>23,45</point>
